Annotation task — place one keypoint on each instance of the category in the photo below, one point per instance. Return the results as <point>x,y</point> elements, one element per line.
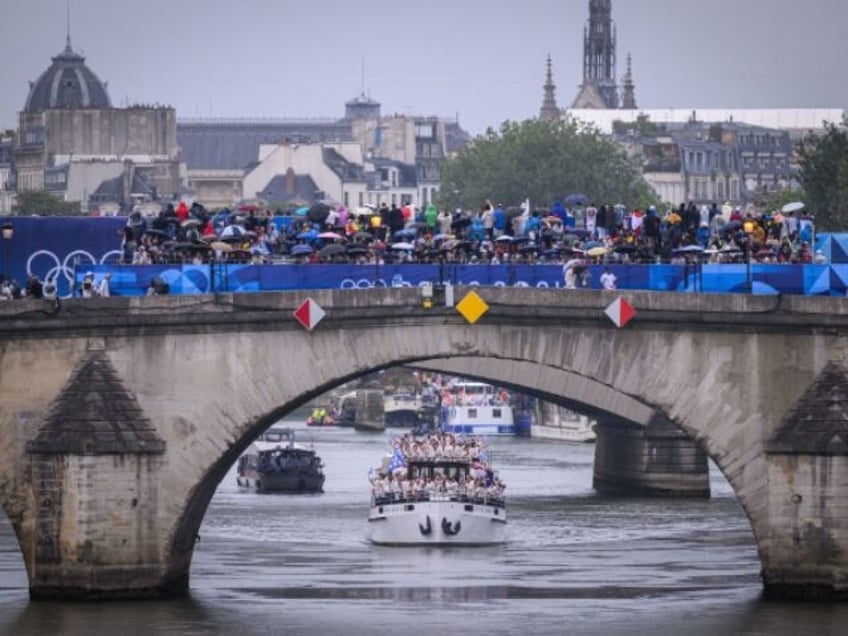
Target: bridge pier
<point>659,460</point>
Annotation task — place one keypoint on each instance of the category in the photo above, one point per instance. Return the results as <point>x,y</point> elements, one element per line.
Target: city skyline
<point>474,60</point>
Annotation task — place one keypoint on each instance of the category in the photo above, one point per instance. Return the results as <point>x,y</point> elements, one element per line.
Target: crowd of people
<point>435,465</point>
<point>577,235</point>
<point>325,233</point>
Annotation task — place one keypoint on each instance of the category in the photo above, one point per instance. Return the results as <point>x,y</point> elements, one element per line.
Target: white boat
<point>437,501</point>
<point>562,424</point>
<point>475,408</point>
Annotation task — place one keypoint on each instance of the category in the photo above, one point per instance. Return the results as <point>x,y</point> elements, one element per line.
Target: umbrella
<point>363,236</point>
<point>155,232</point>
<point>530,248</point>
<point>710,250</point>
<point>689,249</point>
<point>461,222</point>
<point>248,207</point>
<point>596,251</point>
<point>406,233</point>
<point>576,199</point>
<point>503,238</point>
<point>733,225</point>
<point>574,262</point>
<point>232,231</point>
<point>302,211</point>
<point>366,211</point>
<point>590,244</point>
<point>334,249</point>
<point>308,234</point>
<point>301,249</point>
<point>792,207</point>
<point>318,212</point>
<point>442,237</point>
<point>190,223</point>
<point>356,249</point>
<point>330,235</point>
<point>403,246</point>
<point>220,246</point>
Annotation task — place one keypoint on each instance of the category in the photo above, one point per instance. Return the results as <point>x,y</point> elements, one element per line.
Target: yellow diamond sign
<point>472,307</point>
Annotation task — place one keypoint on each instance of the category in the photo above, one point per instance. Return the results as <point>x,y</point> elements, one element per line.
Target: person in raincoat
<point>431,215</point>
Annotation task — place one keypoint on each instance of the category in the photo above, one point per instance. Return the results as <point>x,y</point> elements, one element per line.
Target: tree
<point>824,175</point>
<point>42,203</point>
<point>543,161</point>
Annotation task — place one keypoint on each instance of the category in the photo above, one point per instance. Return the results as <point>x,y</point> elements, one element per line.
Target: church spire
<point>599,88</point>
<point>628,97</point>
<point>549,110</point>
<point>68,48</point>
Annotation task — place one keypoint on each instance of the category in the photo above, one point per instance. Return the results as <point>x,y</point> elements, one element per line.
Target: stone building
<point>705,161</point>
<point>224,157</point>
<point>71,140</point>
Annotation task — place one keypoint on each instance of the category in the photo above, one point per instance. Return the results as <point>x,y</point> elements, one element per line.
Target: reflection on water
<point>575,563</point>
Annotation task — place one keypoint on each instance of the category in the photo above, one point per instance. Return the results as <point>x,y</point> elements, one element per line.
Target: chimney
<point>290,180</point>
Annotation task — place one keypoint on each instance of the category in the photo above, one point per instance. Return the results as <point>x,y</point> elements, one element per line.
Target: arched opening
<point>13,575</point>
<point>566,542</point>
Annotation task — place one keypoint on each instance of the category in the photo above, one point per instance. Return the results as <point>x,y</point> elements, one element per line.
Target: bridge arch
<point>209,378</point>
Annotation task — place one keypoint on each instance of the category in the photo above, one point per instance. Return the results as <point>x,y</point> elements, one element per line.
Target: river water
<point>575,563</point>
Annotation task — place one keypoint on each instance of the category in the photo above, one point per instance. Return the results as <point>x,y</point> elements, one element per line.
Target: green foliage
<point>824,176</point>
<point>43,203</point>
<point>543,161</point>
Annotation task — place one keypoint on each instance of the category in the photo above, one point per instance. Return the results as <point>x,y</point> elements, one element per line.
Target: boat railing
<point>399,498</point>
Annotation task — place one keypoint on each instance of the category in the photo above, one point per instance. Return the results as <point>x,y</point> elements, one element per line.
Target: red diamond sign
<point>309,314</point>
<point>620,312</point>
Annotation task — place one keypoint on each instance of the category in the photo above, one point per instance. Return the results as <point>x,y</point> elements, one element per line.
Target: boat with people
<point>437,490</point>
<point>275,462</point>
<point>477,408</point>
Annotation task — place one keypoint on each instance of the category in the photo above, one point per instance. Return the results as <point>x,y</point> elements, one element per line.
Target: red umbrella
<point>248,207</point>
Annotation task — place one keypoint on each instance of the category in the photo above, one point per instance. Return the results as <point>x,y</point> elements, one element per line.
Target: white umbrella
<point>792,207</point>
<point>232,231</point>
<point>403,246</point>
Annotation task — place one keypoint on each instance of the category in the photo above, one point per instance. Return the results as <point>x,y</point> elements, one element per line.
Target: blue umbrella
<point>576,199</point>
<point>406,233</point>
<point>308,234</point>
<point>302,211</point>
<point>300,250</point>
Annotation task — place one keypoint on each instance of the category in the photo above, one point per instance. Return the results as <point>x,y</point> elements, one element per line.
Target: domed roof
<point>68,83</point>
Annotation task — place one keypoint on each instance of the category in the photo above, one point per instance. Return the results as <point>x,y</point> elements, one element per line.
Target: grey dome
<point>68,83</point>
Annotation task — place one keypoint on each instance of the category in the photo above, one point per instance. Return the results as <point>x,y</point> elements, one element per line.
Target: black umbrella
<point>363,236</point>
<point>356,249</point>
<point>463,221</point>
<point>318,212</point>
<point>160,233</point>
<point>334,249</point>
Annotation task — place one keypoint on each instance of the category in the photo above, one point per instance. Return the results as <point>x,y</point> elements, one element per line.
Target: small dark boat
<point>276,463</point>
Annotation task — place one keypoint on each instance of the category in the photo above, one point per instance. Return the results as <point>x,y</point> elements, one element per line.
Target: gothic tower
<point>628,96</point>
<point>549,110</point>
<point>599,88</point>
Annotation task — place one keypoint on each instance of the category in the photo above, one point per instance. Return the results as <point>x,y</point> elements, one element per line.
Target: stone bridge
<point>120,416</point>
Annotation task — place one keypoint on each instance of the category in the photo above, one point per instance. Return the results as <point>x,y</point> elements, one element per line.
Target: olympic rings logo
<point>65,268</point>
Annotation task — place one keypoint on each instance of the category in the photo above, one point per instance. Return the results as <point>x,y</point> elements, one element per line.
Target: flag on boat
<point>397,461</point>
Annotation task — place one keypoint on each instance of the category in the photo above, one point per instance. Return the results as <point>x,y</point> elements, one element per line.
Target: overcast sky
<point>483,60</point>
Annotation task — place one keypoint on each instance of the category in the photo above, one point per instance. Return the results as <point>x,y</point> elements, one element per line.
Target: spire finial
<point>68,37</point>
